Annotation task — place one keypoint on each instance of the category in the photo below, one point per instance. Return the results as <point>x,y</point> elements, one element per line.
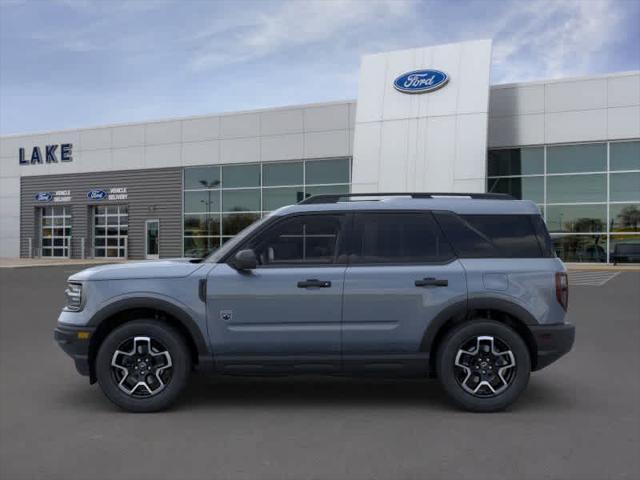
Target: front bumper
<point>553,341</point>
<point>75,342</point>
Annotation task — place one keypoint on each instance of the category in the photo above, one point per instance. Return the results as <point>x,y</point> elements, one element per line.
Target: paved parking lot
<point>579,419</point>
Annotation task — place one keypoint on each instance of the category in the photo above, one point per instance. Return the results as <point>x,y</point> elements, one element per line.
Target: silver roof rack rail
<point>335,198</point>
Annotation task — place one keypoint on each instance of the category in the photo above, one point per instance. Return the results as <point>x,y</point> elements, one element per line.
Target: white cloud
<point>547,38</point>
<point>290,24</point>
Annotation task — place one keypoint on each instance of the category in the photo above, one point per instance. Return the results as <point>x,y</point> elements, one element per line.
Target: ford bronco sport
<point>463,287</point>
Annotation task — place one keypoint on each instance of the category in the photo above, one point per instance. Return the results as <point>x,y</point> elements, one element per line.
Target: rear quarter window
<point>494,236</point>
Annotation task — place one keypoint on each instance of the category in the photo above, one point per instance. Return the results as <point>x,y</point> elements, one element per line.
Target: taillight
<point>562,289</point>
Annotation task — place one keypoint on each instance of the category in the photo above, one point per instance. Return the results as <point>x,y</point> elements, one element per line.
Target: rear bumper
<point>553,342</point>
<point>75,345</point>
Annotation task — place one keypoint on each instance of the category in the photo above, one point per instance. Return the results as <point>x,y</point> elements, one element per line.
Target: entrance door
<point>402,273</point>
<point>286,313</point>
<point>152,239</point>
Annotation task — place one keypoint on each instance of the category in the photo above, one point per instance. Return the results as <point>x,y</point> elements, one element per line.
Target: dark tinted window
<point>305,239</point>
<point>492,236</point>
<point>398,238</point>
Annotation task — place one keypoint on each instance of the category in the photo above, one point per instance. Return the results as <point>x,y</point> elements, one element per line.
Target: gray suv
<point>462,287</point>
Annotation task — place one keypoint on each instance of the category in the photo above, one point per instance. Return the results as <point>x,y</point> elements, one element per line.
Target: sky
<point>79,63</point>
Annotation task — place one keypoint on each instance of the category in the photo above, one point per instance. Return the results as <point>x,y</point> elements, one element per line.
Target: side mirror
<point>245,260</point>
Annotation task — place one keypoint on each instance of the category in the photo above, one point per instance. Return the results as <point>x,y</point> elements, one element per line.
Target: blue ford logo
<point>420,81</point>
<point>97,195</point>
<point>44,196</point>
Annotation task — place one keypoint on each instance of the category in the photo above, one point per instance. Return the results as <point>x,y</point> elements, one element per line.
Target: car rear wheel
<point>143,365</point>
<point>483,365</point>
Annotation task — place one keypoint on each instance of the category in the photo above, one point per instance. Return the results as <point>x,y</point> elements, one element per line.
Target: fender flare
<point>461,309</point>
<point>154,303</point>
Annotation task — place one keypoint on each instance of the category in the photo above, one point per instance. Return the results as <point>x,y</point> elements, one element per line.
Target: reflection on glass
<point>241,200</point>
<point>524,188</point>
<point>576,218</point>
<point>516,161</point>
<point>208,225</point>
<point>327,171</point>
<point>624,217</point>
<point>202,177</point>
<point>197,247</point>
<point>286,173</point>
<point>581,248</point>
<point>273,198</point>
<point>624,187</point>
<point>590,157</point>
<point>576,188</point>
<point>624,155</point>
<point>234,176</point>
<point>204,201</point>
<point>624,249</point>
<point>232,224</point>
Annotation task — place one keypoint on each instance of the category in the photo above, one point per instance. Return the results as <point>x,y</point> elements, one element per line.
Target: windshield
<point>216,255</point>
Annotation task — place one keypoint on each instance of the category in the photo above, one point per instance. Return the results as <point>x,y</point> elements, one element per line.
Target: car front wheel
<point>143,365</point>
<point>483,365</point>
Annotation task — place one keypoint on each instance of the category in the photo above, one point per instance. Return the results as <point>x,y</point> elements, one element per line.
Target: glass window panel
<point>99,252</point>
<point>112,210</point>
<point>100,210</point>
<point>232,224</point>
<point>523,188</point>
<point>100,242</point>
<point>197,247</point>
<point>202,225</point>
<point>326,190</point>
<point>47,221</point>
<point>240,176</point>
<point>47,232</point>
<point>624,156</point>
<point>624,187</point>
<point>273,198</point>
<point>241,200</point>
<point>58,211</point>
<point>576,188</point>
<point>516,161</point>
<point>624,249</point>
<point>624,217</point>
<point>201,177</point>
<point>112,242</point>
<point>287,173</point>
<point>327,171</point>
<point>46,242</point>
<point>299,240</point>
<point>576,218</point>
<point>206,201</point>
<point>581,248</point>
<point>398,238</point>
<point>590,157</point>
<point>100,220</point>
<point>99,231</point>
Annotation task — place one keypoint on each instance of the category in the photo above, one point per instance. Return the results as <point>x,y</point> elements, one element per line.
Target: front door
<point>285,314</point>
<point>402,273</point>
<point>152,239</point>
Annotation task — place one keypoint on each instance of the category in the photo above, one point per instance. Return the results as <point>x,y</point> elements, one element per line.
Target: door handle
<point>313,282</point>
<point>432,282</point>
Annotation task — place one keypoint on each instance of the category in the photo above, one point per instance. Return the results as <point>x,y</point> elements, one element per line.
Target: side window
<point>491,236</point>
<point>303,239</point>
<point>398,238</point>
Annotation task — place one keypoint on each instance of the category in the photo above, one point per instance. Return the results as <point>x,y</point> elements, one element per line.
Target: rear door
<point>402,273</point>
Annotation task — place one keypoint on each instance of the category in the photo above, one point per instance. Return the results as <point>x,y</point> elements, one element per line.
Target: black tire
<point>176,377</point>
<point>453,377</point>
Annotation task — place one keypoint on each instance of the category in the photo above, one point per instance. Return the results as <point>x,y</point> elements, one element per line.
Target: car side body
<point>349,312</point>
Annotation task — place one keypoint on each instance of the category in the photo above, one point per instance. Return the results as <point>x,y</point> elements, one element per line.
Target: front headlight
<point>74,297</point>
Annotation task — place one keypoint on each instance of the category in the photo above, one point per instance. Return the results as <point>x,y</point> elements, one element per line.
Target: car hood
<point>174,268</point>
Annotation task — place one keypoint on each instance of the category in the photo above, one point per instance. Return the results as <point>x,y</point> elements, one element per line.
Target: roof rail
<point>335,198</point>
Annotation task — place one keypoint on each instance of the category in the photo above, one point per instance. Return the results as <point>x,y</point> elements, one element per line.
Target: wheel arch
<point>129,309</point>
<point>499,310</point>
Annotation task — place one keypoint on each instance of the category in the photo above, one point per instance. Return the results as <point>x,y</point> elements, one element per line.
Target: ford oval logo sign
<point>97,195</point>
<point>420,81</point>
<point>44,196</point>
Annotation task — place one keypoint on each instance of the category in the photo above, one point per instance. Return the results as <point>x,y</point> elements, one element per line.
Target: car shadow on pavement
<point>300,392</point>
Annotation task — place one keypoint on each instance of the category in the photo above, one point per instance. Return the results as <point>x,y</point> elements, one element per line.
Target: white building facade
<point>425,119</point>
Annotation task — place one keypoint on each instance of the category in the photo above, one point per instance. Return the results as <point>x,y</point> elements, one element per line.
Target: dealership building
<point>425,120</point>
